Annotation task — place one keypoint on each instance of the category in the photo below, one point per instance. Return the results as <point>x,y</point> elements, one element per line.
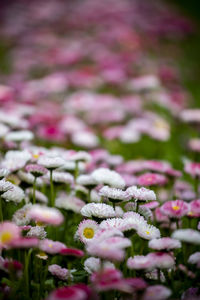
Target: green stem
<point>1,211</point>
<point>52,188</point>
<point>177,224</point>
<point>69,272</point>
<point>196,186</point>
<point>34,189</point>
<point>137,206</point>
<point>26,271</point>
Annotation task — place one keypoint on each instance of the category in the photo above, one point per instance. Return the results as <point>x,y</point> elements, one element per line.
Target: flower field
<point>99,152</point>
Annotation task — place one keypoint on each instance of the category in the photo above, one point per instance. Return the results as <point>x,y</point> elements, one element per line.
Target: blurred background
<point>63,58</point>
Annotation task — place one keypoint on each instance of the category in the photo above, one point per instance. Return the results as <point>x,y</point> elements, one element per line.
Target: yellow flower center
<point>36,156</point>
<point>6,237</point>
<point>176,207</point>
<point>39,223</point>
<point>160,124</point>
<point>88,233</point>
<point>50,245</point>
<point>190,213</point>
<point>147,232</point>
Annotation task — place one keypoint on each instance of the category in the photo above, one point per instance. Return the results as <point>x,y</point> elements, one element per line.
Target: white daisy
<point>99,210</point>
<point>87,230</point>
<point>85,139</point>
<point>187,235</point>
<point>51,162</point>
<point>20,217</point>
<point>86,180</point>
<point>148,232</point>
<point>194,258</point>
<point>92,264</point>
<point>5,186</point>
<point>141,193</point>
<point>106,176</point>
<point>113,194</point>
<point>18,136</point>
<point>37,231</point>
<point>81,156</point>
<point>16,194</point>
<point>3,172</point>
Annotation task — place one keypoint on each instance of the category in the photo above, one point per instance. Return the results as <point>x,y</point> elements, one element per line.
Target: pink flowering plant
<point>99,153</point>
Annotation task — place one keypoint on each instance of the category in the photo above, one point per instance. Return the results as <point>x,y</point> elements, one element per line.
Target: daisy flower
<point>139,262</point>
<point>110,279</point>
<point>5,186</point>
<point>162,260</point>
<point>106,251</point>
<point>36,170</point>
<point>85,139</point>
<point>113,194</point>
<point>118,223</point>
<point>50,162</point>
<point>9,232</point>
<point>106,176</point>
<point>51,247</point>
<point>3,173</point>
<point>194,259</point>
<point>37,231</point>
<point>165,243</point>
<point>19,136</point>
<point>187,235</point>
<point>156,292</point>
<point>141,193</point>
<point>16,194</point>
<point>194,208</point>
<point>99,210</point>
<point>81,156</point>
<point>72,252</point>
<point>175,209</point>
<point>148,232</point>
<point>45,215</point>
<point>59,272</point>
<point>25,242</point>
<point>134,220</point>
<point>87,230</point>
<point>149,179</point>
<point>68,292</point>
<point>192,168</point>
<point>20,217</point>
<point>86,180</point>
<point>93,264</point>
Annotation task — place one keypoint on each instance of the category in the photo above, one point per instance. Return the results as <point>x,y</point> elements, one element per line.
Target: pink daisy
<point>194,208</point>
<point>109,279</point>
<point>45,215</point>
<point>149,179</point>
<point>9,233</point>
<point>68,293</point>
<point>51,247</point>
<point>72,252</point>
<point>175,209</point>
